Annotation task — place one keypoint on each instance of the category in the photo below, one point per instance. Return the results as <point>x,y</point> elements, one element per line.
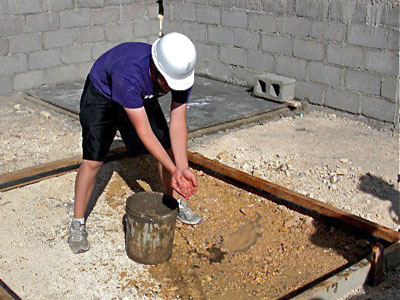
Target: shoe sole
<point>79,251</point>
<point>189,223</point>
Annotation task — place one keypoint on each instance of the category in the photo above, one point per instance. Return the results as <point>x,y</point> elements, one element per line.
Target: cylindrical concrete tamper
<point>150,226</point>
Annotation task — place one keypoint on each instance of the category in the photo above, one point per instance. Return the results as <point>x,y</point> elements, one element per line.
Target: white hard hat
<point>175,56</point>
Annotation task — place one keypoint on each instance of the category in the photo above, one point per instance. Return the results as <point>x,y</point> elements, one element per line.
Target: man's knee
<point>92,165</point>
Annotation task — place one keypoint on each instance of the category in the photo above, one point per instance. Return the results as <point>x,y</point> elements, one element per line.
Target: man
<point>121,93</point>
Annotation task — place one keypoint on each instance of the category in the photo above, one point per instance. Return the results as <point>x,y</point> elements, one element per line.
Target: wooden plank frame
<point>258,186</point>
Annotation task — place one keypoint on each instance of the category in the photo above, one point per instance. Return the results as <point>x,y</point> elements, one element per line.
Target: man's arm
<point>138,118</point>
<point>178,135</point>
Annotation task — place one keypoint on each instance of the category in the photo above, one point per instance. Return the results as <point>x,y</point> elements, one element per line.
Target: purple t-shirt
<point>122,74</point>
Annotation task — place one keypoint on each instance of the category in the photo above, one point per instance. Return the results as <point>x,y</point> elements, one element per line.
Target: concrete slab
<point>212,102</point>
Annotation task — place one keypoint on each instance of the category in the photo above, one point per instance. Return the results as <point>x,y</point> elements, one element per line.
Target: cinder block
<point>76,54</point>
<point>262,21</point>
<point>294,26</point>
<point>219,3</point>
<point>316,10</point>
<point>172,26</point>
<point>6,86</point>
<point>89,34</point>
<point>378,108</point>
<point>28,80</point>
<point>25,43</point>
<point>368,36</point>
<point>390,14</point>
<point>308,49</point>
<point>246,39</point>
<point>3,7</point>
<point>13,64</point>
<point>255,5</point>
<point>63,73</point>
<point>57,5</point>
<point>90,3</point>
<point>201,67</point>
<point>208,15</point>
<point>382,62</point>
<point>220,35</point>
<point>243,76</point>
<point>11,26</point>
<point>206,51</point>
<point>44,59</point>
<point>59,38</point>
<point>291,67</point>
<point>185,12</point>
<point>134,13</point>
<point>24,7</point>
<point>42,22</point>
<point>119,32</point>
<point>82,69</point>
<point>276,44</point>
<point>286,7</point>
<point>3,46</point>
<point>310,91</point>
<point>363,82</point>
<point>100,48</point>
<point>274,87</point>
<point>328,31</point>
<point>345,56</point>
<point>152,11</point>
<point>348,12</point>
<point>117,2</point>
<point>232,56</point>
<point>343,100</point>
<point>147,28</point>
<point>219,71</point>
<point>196,32</point>
<point>390,88</point>
<point>234,18</point>
<point>200,2</point>
<point>108,15</point>
<point>260,61</point>
<point>324,74</point>
<point>75,18</point>
<point>393,41</point>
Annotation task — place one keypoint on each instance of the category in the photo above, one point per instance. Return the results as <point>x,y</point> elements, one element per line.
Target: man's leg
<point>186,215</point>
<point>96,116</point>
<point>84,185</point>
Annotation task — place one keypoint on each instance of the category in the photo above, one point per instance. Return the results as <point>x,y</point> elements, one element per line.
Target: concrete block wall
<point>344,54</point>
<point>51,41</point>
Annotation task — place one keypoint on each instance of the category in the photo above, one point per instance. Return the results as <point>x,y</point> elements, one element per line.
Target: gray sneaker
<point>77,239</point>
<point>186,215</point>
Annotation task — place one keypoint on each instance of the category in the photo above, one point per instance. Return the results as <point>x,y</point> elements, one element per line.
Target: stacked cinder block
<point>343,54</point>
<point>46,42</point>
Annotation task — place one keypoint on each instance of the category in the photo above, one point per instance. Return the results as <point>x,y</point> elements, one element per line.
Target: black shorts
<point>101,117</point>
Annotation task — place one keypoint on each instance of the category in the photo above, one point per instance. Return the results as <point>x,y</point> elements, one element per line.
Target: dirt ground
<point>337,160</point>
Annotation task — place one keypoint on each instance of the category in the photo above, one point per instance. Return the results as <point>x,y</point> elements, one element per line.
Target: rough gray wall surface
<point>343,54</point>
<point>51,41</point>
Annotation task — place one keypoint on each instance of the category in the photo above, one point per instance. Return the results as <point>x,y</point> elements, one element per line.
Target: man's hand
<point>190,181</point>
<point>184,182</point>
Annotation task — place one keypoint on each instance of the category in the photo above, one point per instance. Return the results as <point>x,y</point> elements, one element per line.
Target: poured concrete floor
<point>211,102</point>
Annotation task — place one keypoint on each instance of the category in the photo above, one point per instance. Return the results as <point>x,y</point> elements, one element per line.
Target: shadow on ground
<point>383,190</point>
<point>131,172</point>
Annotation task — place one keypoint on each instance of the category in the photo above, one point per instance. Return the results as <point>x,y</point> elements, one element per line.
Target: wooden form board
<point>262,187</point>
<point>241,179</point>
<point>6,293</point>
